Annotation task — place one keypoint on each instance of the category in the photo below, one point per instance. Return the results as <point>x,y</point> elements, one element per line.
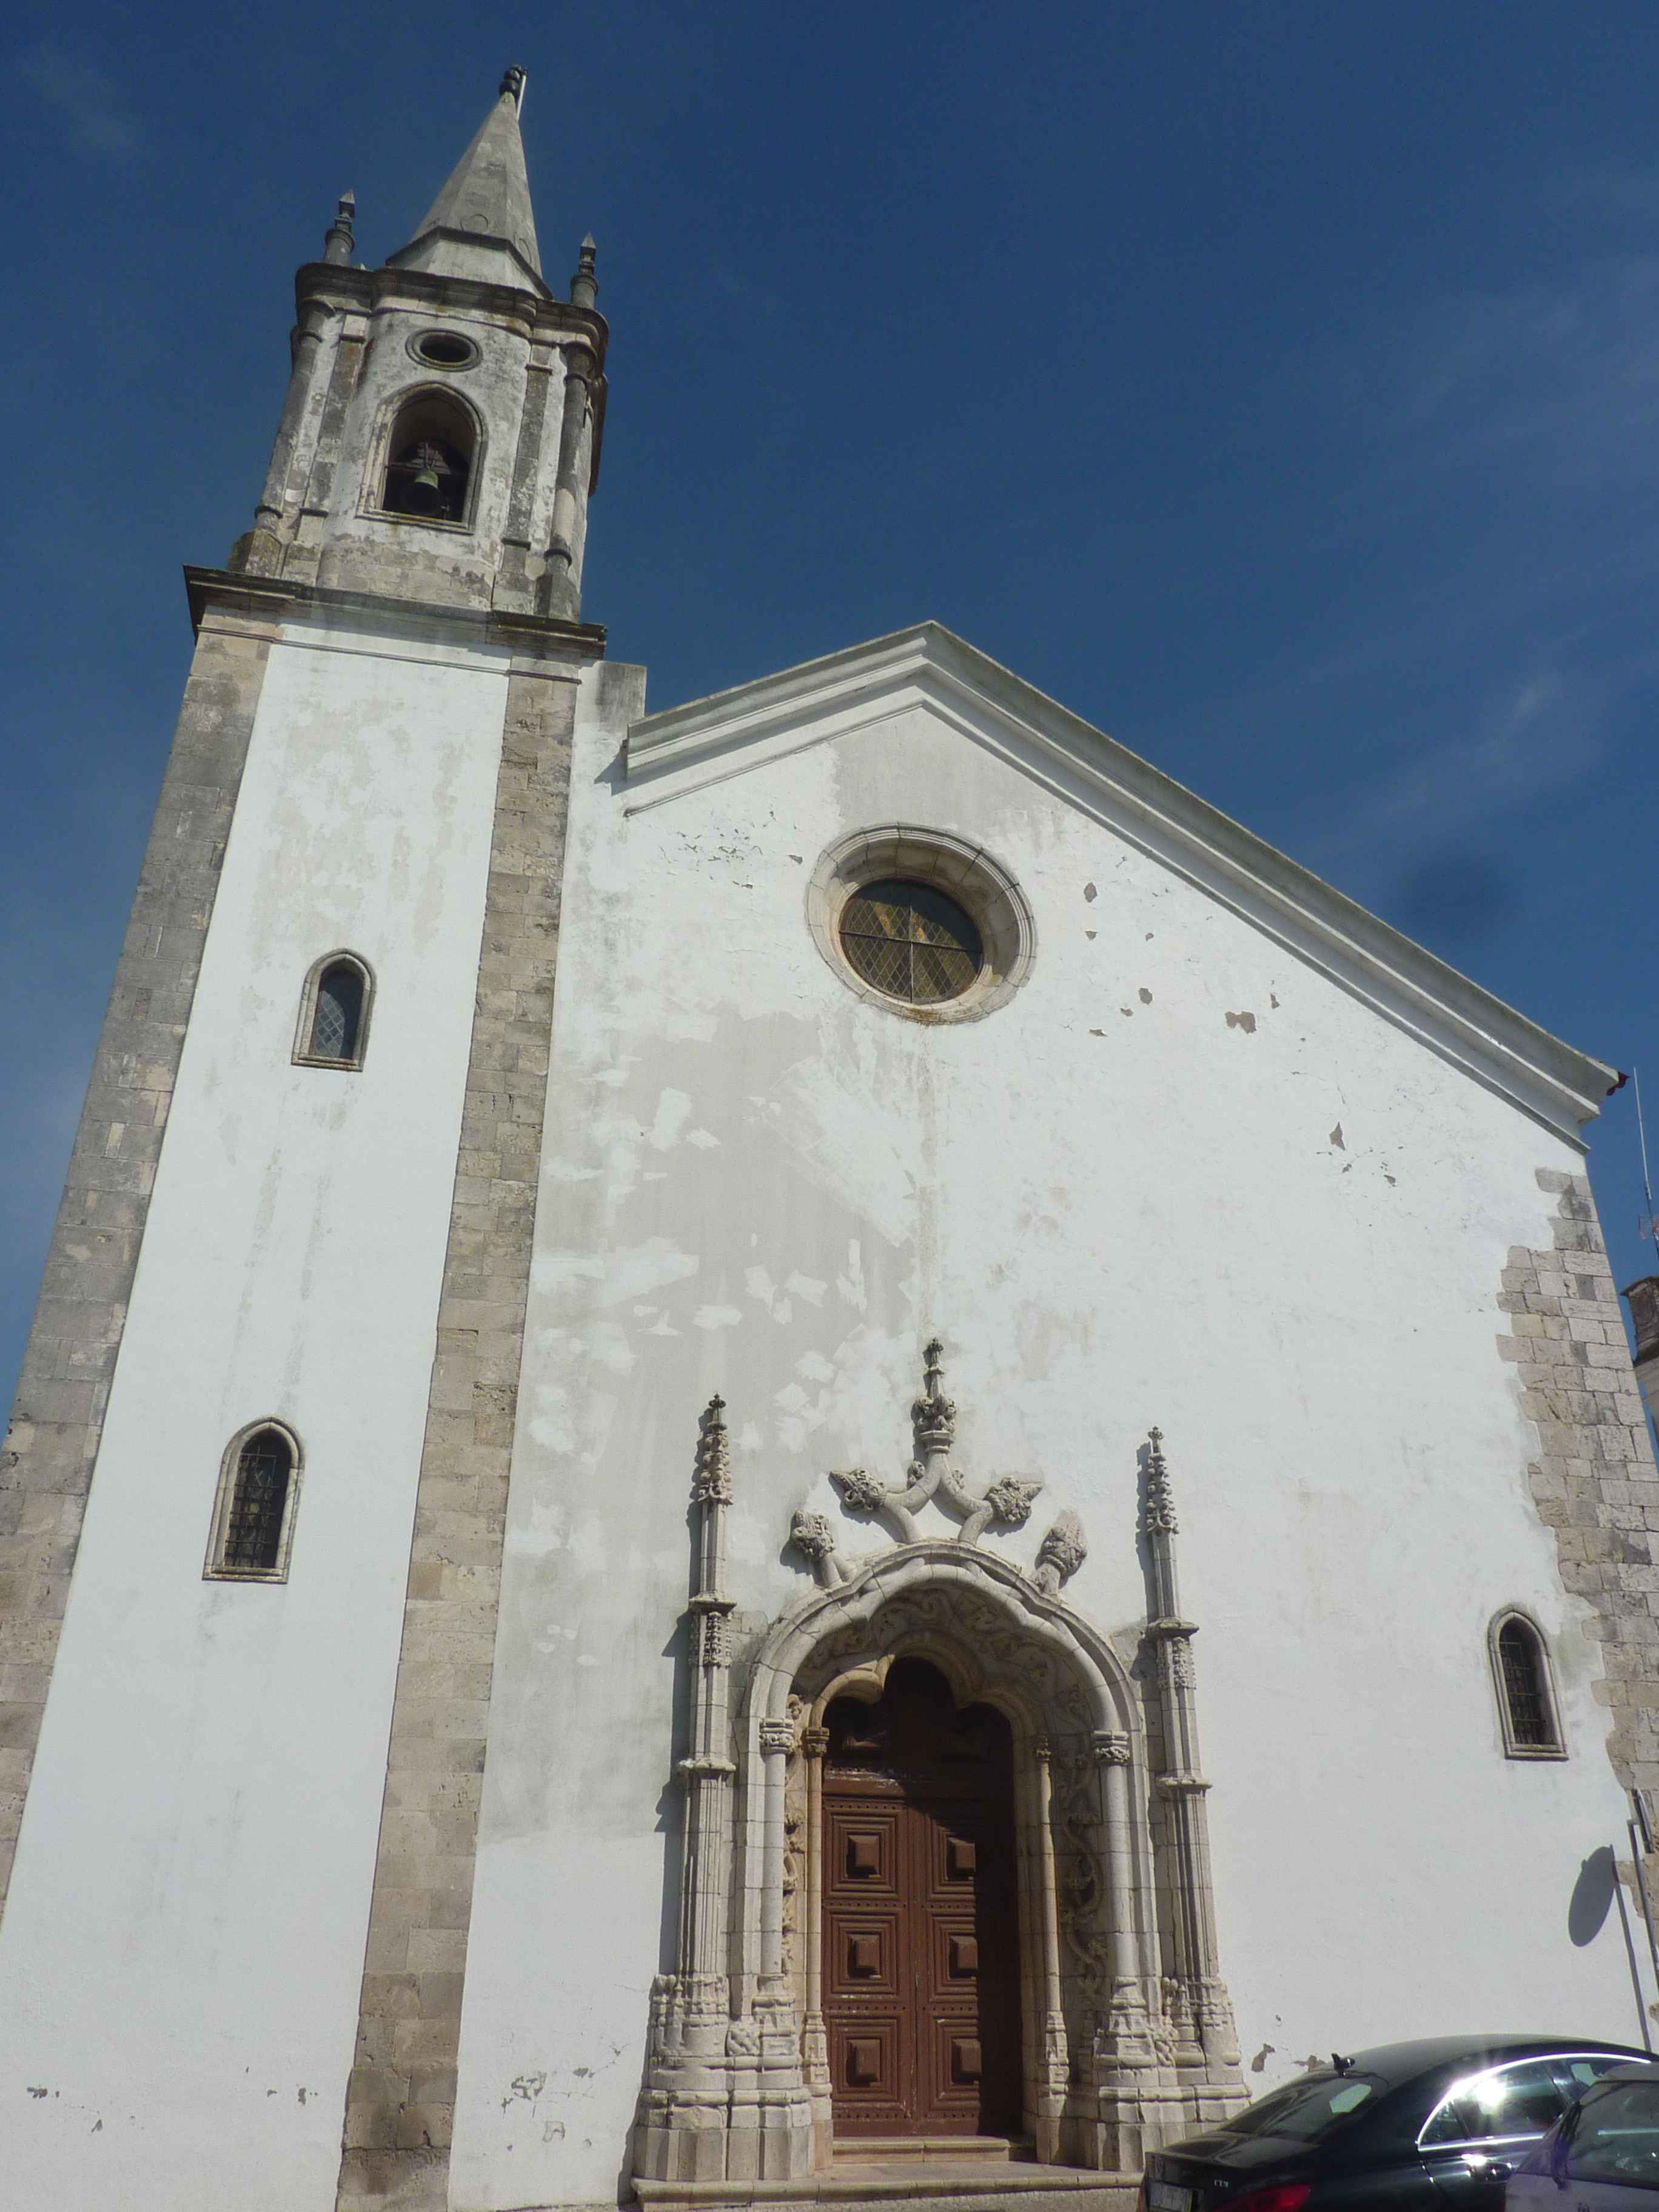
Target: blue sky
<point>1277,385</point>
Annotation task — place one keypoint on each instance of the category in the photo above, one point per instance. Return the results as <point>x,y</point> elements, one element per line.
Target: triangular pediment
<point>738,732</point>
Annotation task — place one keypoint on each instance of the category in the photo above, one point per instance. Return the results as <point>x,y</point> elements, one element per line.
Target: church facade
<point>688,1354</point>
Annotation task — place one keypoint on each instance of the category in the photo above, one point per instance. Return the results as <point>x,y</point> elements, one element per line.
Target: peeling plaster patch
<point>1336,1138</point>
<point>702,1139</point>
<point>1089,892</point>
<point>1261,2058</point>
<point>587,1659</point>
<point>623,1275</point>
<point>783,1311</point>
<point>1091,934</point>
<point>551,1424</point>
<point>1245,1022</point>
<point>851,1284</point>
<point>1096,1032</point>
<point>1272,1000</point>
<point>759,1285</point>
<point>547,1530</point>
<point>751,1439</point>
<point>608,1347</point>
<point>716,1317</point>
<point>1129,1010</point>
<point>815,1367</point>
<point>673,1111</point>
<point>568,1171</point>
<point>807,1288</point>
<point>1146,996</point>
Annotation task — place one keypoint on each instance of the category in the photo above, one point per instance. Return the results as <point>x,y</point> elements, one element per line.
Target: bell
<point>425,479</point>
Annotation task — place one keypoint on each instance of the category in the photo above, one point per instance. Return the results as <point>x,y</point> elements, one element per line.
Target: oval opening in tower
<point>444,350</point>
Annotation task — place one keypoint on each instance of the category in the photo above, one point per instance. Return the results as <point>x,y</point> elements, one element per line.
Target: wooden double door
<point>921,1935</point>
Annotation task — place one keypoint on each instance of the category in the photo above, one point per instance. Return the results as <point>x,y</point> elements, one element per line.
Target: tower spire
<point>480,224</point>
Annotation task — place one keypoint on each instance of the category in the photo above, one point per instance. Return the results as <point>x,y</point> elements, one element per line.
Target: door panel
<point>921,1951</point>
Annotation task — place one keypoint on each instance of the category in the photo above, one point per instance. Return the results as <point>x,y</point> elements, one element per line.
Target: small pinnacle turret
<point>341,240</point>
<point>585,284</point>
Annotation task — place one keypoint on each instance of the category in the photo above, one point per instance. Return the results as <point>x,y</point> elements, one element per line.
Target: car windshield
<point>1316,2105</point>
<point>1615,2137</point>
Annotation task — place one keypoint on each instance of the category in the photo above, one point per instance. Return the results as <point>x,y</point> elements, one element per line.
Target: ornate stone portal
<point>1127,2030</point>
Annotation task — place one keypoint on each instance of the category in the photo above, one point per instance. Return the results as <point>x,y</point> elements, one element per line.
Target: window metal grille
<point>253,1531</point>
<point>1530,1723</point>
<point>910,942</point>
<point>338,1018</point>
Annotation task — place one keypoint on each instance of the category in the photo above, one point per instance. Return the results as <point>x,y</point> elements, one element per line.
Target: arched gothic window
<point>254,1517</point>
<point>334,1008</point>
<point>429,458</point>
<point>1526,1689</point>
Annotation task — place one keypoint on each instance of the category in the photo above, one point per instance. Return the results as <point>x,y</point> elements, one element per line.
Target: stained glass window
<point>1522,1663</point>
<point>338,1018</point>
<point>253,1532</point>
<point>910,942</point>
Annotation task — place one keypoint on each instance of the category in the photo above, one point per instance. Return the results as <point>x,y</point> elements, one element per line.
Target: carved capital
<point>862,1491</point>
<point>1182,1785</point>
<point>1061,1553</point>
<point>776,1738</point>
<point>1109,1748</point>
<point>815,1741</point>
<point>1010,1500</point>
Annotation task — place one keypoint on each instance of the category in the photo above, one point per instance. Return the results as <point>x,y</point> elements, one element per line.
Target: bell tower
<point>440,436</point>
<point>257,1463</point>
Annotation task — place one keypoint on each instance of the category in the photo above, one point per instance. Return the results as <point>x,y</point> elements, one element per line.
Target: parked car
<point>1433,2126</point>
<point>1603,2156</point>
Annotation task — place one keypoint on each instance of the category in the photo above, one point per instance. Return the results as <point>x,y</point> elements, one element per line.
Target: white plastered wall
<point>1181,1178</point>
<point>183,1946</point>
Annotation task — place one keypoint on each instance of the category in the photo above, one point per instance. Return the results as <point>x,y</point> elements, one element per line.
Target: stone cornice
<point>273,598</point>
<point>708,739</point>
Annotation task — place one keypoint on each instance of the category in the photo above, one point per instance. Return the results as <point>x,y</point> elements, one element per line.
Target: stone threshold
<point>941,2180</point>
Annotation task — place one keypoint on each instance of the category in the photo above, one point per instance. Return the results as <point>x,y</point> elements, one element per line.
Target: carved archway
<point>1088,1942</point>
<point>1127,2030</point>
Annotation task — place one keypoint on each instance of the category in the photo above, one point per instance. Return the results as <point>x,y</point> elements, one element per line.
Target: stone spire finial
<point>713,1483</point>
<point>513,80</point>
<point>1160,1498</point>
<point>933,1413</point>
<point>340,238</point>
<point>585,285</point>
<point>481,225</point>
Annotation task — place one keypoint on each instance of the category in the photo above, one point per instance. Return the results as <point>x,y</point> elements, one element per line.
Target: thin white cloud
<point>99,120</point>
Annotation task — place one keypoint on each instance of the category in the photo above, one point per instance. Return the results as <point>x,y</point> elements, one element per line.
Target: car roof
<point>1403,2062</point>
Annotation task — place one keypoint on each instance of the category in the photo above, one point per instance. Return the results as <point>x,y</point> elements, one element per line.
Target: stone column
<point>260,553</point>
<point>708,1771</point>
<point>1054,2073</point>
<point>1200,2013</point>
<point>685,2110</point>
<point>814,2043</point>
<point>561,585</point>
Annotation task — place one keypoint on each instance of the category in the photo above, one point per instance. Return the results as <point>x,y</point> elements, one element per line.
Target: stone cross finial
<point>512,86</point>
